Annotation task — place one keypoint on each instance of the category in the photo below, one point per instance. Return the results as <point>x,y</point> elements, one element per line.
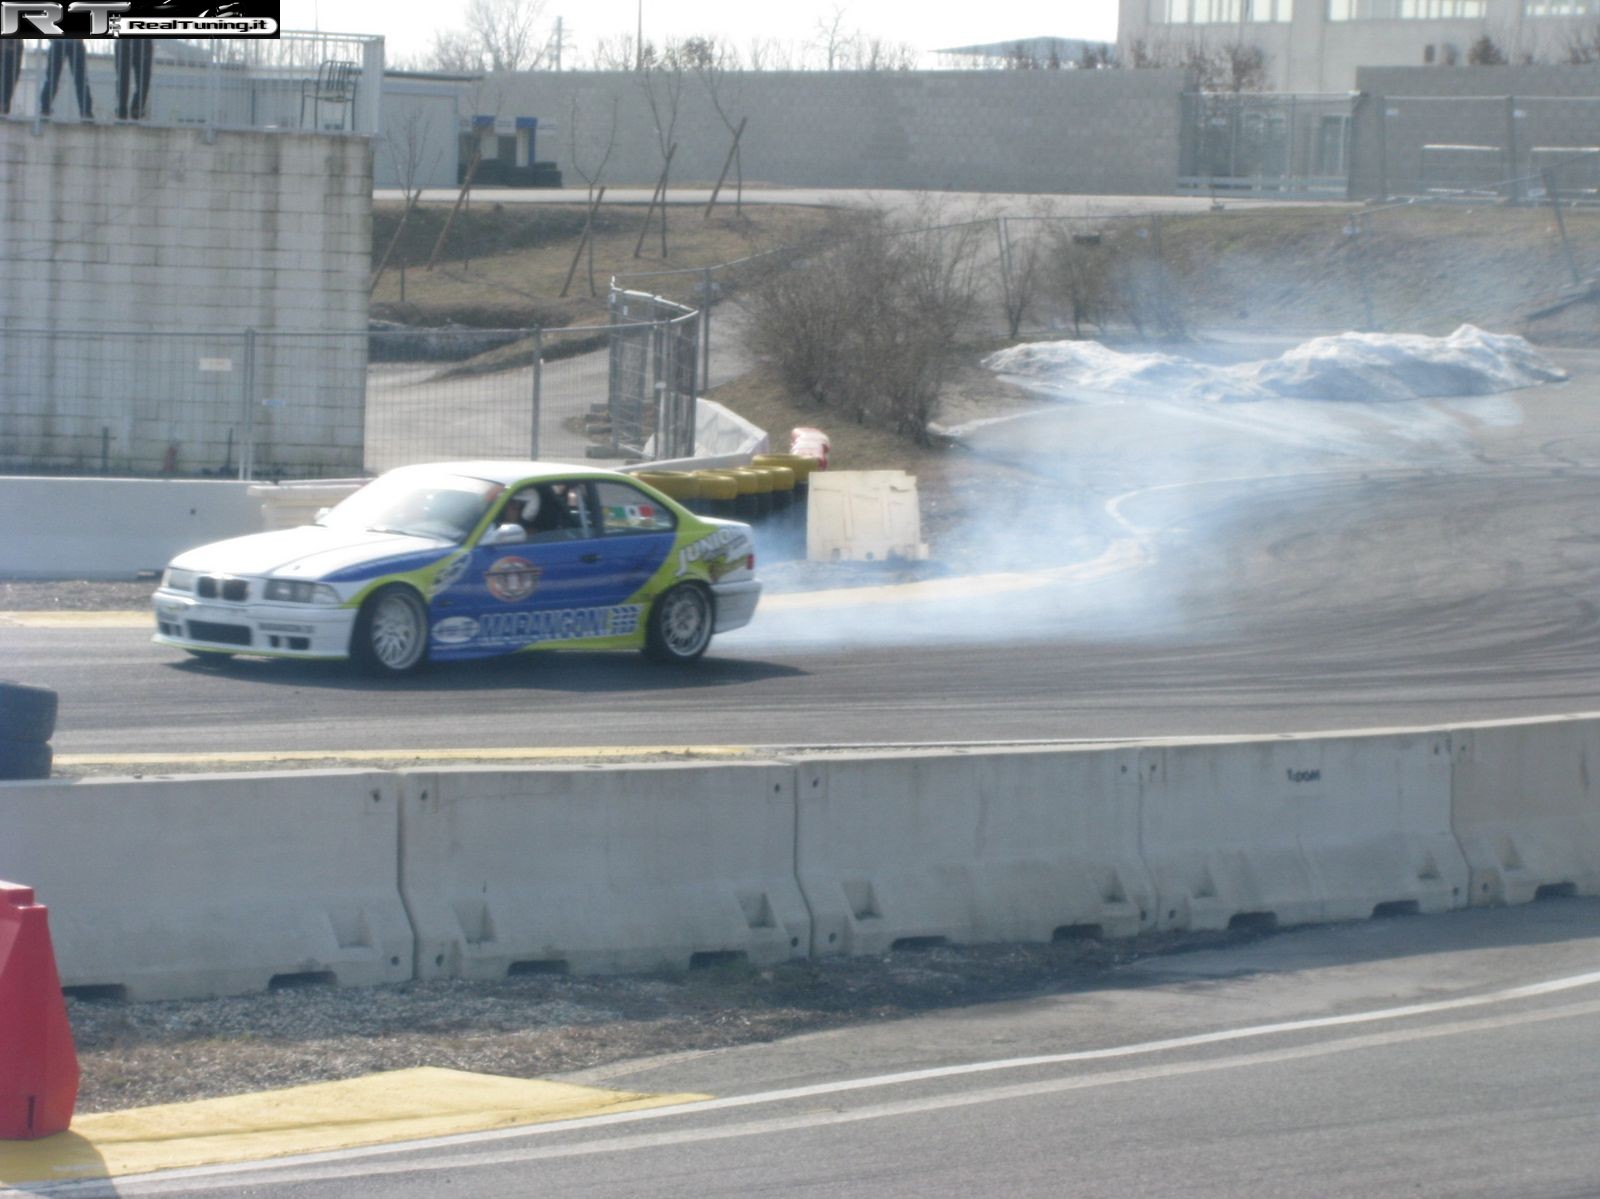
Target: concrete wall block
<point>213,884</point>
<point>1300,830</point>
<point>620,868</point>
<point>1527,809</point>
<point>1016,846</point>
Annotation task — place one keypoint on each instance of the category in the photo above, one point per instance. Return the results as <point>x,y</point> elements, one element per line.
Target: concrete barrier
<point>1296,831</point>
<point>1021,845</point>
<point>1526,802</point>
<point>91,528</point>
<point>214,884</point>
<point>600,870</point>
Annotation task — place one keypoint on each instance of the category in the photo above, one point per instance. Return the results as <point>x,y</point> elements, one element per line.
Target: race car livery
<point>468,560</point>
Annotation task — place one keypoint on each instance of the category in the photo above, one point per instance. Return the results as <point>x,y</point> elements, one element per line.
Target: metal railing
<point>300,82</point>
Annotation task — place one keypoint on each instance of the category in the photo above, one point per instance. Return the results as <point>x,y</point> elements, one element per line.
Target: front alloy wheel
<point>680,625</point>
<point>391,633</point>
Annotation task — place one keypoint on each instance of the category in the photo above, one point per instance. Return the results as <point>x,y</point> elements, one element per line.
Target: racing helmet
<point>529,505</point>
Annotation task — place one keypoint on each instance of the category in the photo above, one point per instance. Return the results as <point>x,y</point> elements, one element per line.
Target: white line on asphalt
<point>280,1172</point>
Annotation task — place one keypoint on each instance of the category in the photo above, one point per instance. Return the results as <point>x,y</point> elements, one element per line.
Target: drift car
<point>468,560</point>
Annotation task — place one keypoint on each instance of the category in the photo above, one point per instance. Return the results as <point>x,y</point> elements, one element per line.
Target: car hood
<point>312,552</point>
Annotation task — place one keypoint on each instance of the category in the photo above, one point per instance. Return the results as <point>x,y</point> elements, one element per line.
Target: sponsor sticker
<point>562,624</point>
<point>720,551</point>
<point>450,574</point>
<point>455,630</point>
<point>512,579</point>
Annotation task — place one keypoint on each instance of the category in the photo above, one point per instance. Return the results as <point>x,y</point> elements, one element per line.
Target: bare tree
<point>832,40</point>
<point>452,51</point>
<point>1583,45</point>
<point>871,326</point>
<point>614,53</point>
<point>720,74</point>
<point>1486,52</point>
<point>413,154</point>
<point>591,177</point>
<point>507,33</point>
<point>495,35</point>
<point>661,84</point>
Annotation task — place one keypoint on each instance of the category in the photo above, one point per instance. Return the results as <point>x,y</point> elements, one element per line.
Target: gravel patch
<point>135,1054</point>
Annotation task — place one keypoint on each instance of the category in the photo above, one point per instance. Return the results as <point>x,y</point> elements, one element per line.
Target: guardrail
<point>354,877</point>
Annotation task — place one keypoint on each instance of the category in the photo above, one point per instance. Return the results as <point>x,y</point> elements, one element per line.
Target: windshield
<point>417,504</point>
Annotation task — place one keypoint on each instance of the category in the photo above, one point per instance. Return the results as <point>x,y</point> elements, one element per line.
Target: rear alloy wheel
<point>391,633</point>
<point>680,625</point>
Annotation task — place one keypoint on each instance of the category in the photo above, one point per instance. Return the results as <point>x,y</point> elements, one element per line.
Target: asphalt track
<point>1234,570</point>
<point>1447,1055</point>
<point>1253,569</point>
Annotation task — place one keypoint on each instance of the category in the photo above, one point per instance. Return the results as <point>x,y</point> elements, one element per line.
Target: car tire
<point>27,713</point>
<point>24,760</point>
<point>680,625</point>
<point>391,632</point>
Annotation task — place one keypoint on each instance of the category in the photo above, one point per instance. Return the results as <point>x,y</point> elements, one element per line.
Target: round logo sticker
<point>512,579</point>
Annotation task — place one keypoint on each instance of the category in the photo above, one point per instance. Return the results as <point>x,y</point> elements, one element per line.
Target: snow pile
<point>1350,366</point>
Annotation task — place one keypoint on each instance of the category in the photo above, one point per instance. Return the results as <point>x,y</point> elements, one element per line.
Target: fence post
<point>1514,184</point>
<point>1383,147</point>
<point>1549,178</point>
<point>538,386</point>
<point>1002,240</point>
<point>705,330</point>
<point>247,452</point>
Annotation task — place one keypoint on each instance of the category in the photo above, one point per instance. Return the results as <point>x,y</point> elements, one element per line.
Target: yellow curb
<point>522,754</point>
<point>402,1105</point>
<point>66,619</point>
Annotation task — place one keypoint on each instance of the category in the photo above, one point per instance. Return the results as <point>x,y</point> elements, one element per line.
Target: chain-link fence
<point>654,368</point>
<point>323,405</point>
<point>1288,145</point>
<point>1474,147</point>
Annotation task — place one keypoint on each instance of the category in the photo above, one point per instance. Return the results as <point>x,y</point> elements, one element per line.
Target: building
<point>1316,45</point>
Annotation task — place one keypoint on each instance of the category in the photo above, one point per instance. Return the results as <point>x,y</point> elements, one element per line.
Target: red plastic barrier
<point>38,1065</point>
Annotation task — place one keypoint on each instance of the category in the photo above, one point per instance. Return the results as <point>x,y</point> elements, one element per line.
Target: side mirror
<point>506,535</point>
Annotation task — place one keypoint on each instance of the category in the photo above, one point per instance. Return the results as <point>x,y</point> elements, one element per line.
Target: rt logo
<point>46,18</point>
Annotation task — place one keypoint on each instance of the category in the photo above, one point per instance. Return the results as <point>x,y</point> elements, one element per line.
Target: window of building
<point>1408,10</point>
<point>1561,8</point>
<point>1223,12</point>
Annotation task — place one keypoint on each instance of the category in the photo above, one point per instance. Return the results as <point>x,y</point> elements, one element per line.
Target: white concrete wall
<point>212,884</point>
<point>180,244</point>
<point>69,528</point>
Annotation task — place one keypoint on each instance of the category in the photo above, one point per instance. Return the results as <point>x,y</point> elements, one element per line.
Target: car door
<point>637,533</point>
<point>512,594</point>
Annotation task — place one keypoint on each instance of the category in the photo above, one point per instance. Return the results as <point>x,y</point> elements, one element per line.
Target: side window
<point>626,509</point>
<point>550,511</point>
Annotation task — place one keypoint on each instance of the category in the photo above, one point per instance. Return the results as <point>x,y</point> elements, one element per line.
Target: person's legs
<point>144,53</point>
<point>10,72</point>
<point>52,76</point>
<point>80,77</point>
<point>123,55</point>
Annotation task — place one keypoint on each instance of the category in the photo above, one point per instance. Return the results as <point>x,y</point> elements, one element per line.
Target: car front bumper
<point>280,630</point>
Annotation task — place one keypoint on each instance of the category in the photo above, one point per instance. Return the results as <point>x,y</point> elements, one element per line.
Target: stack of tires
<point>27,722</point>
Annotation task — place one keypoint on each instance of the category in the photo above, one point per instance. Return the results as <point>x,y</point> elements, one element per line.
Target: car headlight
<point>295,591</point>
<point>178,580</point>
